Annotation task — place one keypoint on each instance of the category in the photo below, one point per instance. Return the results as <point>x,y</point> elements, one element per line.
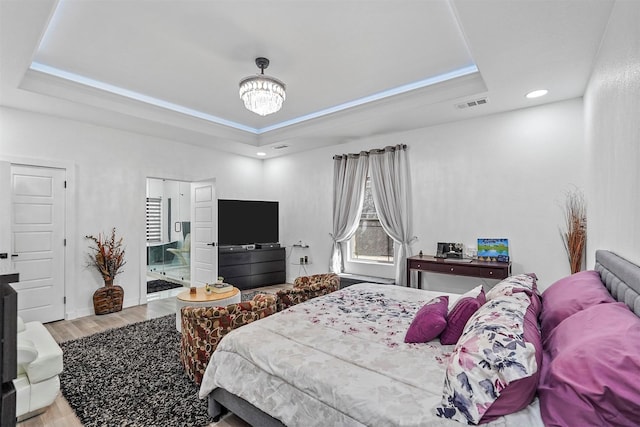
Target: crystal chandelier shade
<point>262,94</point>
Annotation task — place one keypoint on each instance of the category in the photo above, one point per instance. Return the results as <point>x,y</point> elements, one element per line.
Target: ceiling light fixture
<point>537,93</point>
<point>262,94</point>
<point>261,153</point>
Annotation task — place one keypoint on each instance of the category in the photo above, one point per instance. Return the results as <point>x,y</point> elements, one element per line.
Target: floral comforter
<point>341,360</point>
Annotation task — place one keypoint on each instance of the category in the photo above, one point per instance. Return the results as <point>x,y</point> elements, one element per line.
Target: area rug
<point>131,376</point>
<point>160,285</point>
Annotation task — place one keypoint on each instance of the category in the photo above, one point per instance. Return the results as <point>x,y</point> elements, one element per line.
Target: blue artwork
<point>493,250</point>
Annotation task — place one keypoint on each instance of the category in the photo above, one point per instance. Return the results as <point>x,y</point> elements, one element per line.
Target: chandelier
<point>262,94</point>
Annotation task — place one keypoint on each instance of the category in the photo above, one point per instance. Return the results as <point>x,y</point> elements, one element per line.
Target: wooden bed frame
<point>621,277</point>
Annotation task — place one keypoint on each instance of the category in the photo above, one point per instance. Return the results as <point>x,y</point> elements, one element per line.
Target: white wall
<point>303,185</point>
<point>499,176</point>
<point>503,175</point>
<point>110,168</point>
<point>612,117</point>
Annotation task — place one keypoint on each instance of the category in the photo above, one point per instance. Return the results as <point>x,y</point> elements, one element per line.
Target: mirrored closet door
<point>168,232</point>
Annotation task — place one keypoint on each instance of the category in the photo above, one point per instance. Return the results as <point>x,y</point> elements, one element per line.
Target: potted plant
<point>107,256</point>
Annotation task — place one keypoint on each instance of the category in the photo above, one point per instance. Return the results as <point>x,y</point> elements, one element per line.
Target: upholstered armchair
<point>204,327</point>
<point>39,360</point>
<point>307,287</point>
<point>316,282</point>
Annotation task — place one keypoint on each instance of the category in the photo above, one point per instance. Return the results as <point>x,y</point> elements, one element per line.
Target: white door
<point>204,233</point>
<point>37,226</point>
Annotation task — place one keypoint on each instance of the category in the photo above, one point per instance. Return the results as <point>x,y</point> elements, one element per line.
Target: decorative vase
<point>108,299</point>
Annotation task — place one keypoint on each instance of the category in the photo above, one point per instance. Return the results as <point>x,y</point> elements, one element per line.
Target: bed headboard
<point>621,277</point>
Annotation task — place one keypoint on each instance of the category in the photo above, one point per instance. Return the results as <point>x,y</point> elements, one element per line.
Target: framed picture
<point>449,250</point>
<point>493,250</point>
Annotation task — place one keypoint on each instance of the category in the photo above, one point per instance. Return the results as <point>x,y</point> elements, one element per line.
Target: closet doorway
<point>168,235</point>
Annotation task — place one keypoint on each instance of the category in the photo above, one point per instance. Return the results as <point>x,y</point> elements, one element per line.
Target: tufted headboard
<point>621,277</point>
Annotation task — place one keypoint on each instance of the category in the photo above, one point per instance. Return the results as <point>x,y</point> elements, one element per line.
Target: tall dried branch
<point>107,255</point>
<point>574,237</point>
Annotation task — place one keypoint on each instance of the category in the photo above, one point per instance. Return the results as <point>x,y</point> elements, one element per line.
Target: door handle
<point>211,244</point>
<point>14,255</point>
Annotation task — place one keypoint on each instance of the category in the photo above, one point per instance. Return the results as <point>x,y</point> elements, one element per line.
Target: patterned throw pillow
<point>460,313</point>
<point>491,354</point>
<point>520,283</point>
<point>429,321</point>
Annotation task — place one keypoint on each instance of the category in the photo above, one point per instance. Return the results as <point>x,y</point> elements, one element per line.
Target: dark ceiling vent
<point>472,103</point>
<point>279,147</point>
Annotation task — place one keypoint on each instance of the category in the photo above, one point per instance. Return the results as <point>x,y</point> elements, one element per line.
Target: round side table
<point>202,299</point>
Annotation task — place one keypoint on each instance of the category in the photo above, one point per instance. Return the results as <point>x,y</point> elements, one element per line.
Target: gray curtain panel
<point>390,187</point>
<point>349,178</point>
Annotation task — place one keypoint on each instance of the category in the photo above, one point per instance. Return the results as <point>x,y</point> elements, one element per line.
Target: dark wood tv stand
<point>252,268</point>
<point>474,268</point>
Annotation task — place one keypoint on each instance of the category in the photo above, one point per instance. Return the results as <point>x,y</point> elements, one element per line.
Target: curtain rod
<point>372,151</point>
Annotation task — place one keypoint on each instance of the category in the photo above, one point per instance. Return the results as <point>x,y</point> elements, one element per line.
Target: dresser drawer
<point>234,270</point>
<point>419,265</point>
<point>493,273</point>
<point>267,267</point>
<point>234,258</point>
<point>466,270</point>
<point>268,255</point>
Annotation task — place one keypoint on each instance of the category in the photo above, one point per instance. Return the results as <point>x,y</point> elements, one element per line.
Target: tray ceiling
<point>352,68</point>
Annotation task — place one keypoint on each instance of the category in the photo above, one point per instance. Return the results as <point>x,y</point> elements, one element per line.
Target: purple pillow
<point>520,393</point>
<point>590,369</point>
<point>570,295</point>
<point>430,320</point>
<point>461,312</point>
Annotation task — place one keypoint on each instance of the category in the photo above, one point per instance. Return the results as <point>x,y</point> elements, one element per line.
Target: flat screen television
<point>247,222</point>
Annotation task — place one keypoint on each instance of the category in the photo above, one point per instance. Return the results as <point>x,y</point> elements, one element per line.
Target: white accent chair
<point>39,365</point>
<point>184,253</point>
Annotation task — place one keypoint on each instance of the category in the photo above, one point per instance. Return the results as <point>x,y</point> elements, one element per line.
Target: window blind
<point>154,219</point>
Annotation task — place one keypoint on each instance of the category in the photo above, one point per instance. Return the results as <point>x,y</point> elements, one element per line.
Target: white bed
<point>341,360</point>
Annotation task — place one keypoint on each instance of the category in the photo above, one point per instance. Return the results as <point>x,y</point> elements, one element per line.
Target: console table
<point>474,268</point>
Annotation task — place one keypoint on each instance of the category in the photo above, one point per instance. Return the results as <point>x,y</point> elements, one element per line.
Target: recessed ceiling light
<point>261,154</point>
<point>537,93</point>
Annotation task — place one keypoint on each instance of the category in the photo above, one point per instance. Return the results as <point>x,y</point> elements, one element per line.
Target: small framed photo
<point>496,250</point>
<point>449,250</point>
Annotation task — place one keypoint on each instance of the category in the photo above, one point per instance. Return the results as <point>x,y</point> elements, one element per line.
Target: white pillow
<point>473,293</point>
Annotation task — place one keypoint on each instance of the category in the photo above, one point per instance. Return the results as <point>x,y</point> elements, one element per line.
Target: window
<point>370,242</point>
<point>154,210</point>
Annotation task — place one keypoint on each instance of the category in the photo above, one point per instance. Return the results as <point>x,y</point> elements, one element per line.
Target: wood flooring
<point>60,414</point>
